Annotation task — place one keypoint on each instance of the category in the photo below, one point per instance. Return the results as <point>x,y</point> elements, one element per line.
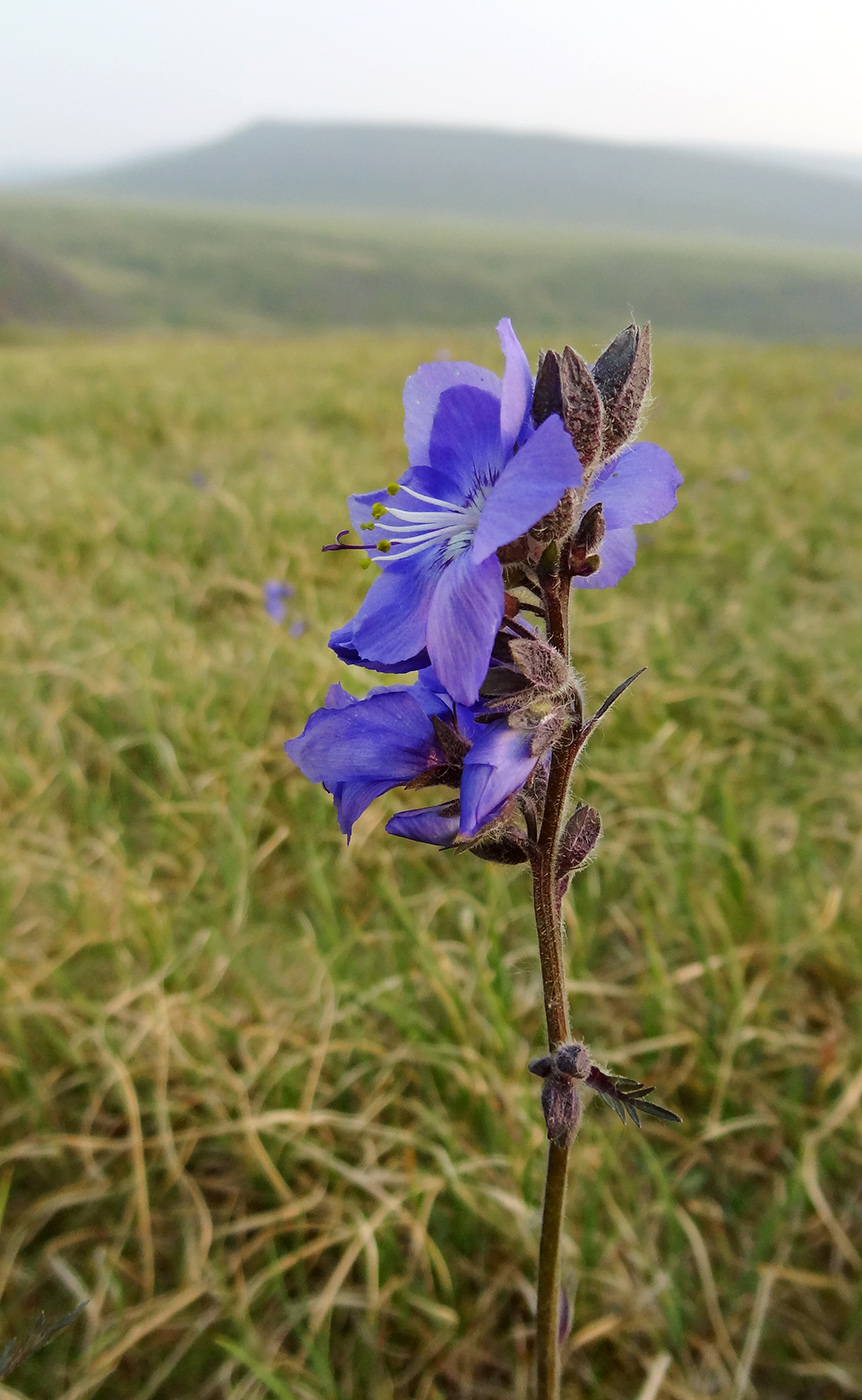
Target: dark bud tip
<point>503,681</point>
<point>453,748</point>
<point>548,394</point>
<point>591,531</point>
<point>614,365</point>
<point>622,374</point>
<point>578,841</point>
<point>542,1067</point>
<point>509,848</point>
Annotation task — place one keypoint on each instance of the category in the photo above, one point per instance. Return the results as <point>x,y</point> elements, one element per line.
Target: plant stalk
<point>550,936</point>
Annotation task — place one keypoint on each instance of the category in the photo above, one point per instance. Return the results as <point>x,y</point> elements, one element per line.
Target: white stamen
<point>431,500</point>
<point>452,523</point>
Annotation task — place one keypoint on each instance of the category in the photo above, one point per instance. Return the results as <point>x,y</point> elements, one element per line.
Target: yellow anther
<point>384,546</point>
<point>378,510</point>
<point>393,488</point>
<point>367,525</point>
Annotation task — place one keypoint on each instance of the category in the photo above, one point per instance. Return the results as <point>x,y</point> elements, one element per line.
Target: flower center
<point>448,525</point>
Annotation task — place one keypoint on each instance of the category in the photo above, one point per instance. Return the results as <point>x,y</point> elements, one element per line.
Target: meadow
<point>265,1101</point>
<point>247,271</point>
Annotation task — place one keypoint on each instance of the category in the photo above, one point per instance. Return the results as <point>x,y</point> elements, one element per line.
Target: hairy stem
<point>550,935</point>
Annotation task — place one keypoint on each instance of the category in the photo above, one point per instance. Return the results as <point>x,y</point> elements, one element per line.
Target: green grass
<point>264,1098</point>
<point>262,273</point>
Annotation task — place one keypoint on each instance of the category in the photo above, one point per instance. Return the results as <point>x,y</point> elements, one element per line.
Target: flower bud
<point>543,667</point>
<point>547,394</point>
<point>582,558</point>
<point>583,410</point>
<point>561,1102</point>
<point>622,374</point>
<point>591,530</point>
<point>510,847</point>
<point>557,523</point>
<point>561,1105</point>
<point>578,841</point>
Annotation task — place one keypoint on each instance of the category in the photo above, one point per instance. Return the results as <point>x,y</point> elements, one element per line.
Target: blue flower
<point>415,736</point>
<point>480,476</point>
<point>275,595</point>
<point>636,487</point>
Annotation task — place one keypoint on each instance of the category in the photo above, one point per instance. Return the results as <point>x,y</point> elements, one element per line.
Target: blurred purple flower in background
<point>275,596</point>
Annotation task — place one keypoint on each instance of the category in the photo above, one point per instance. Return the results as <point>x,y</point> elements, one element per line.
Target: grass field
<point>247,271</point>
<point>264,1098</point>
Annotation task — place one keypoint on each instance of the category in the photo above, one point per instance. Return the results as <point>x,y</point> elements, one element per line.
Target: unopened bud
<point>581,566</point>
<point>508,848</point>
<point>591,530</point>
<point>558,522</point>
<point>561,1105</point>
<point>541,664</point>
<point>453,747</point>
<point>583,411</point>
<point>622,373</point>
<point>578,841</point>
<point>561,1102</point>
<point>548,394</point>
<point>515,552</point>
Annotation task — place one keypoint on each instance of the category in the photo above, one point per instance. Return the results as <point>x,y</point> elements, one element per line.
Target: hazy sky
<point>88,81</point>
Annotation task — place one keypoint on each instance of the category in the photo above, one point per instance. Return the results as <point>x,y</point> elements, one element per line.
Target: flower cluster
<point>508,481</point>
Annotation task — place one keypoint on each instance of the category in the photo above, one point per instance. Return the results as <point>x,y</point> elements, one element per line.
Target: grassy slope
<point>264,1098</point>
<point>262,272</point>
<point>35,292</point>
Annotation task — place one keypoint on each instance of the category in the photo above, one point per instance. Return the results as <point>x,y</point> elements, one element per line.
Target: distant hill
<point>266,272</point>
<point>35,291</point>
<point>503,177</point>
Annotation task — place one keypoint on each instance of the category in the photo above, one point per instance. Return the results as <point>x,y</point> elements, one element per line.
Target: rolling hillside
<point>499,177</point>
<point>268,272</point>
<point>35,291</point>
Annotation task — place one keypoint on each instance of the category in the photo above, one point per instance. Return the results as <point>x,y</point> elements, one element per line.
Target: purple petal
<point>352,798</point>
<point>385,736</point>
<point>636,487</point>
<point>436,826</point>
<point>617,552</point>
<point>342,643</point>
<point>497,765</point>
<point>337,698</point>
<point>422,396</point>
<point>531,485</point>
<point>390,626</point>
<point>465,441</point>
<point>359,749</point>
<point>517,387</point>
<point>431,694</point>
<point>466,610</point>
